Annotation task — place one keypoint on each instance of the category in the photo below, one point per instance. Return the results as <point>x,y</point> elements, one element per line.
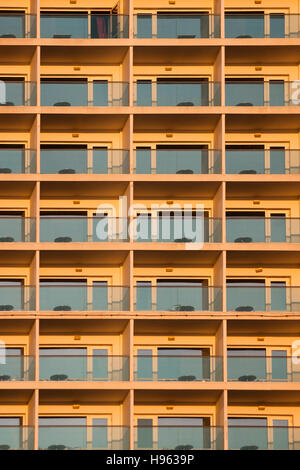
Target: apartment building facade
<point>122,124</point>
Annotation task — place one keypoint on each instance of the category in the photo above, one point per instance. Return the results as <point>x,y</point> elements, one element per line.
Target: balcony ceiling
<point>253,55</point>
<point>175,123</point>
<point>169,55</point>
<point>81,259</point>
<point>175,327</point>
<point>86,326</point>
<point>77,55</point>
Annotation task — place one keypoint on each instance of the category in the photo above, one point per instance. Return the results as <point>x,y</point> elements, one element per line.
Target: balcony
<point>180,161</point>
<point>183,365</point>
<point>17,92</point>
<point>179,25</point>
<point>64,295</point>
<point>83,25</point>
<point>183,436</point>
<point>17,24</point>
<point>252,228</point>
<point>14,296</point>
<point>14,366</point>
<point>257,92</point>
<point>177,297</point>
<point>81,92</point>
<point>82,437</point>
<point>15,437</point>
<point>253,295</point>
<point>62,364</point>
<point>249,160</point>
<point>258,436</point>
<point>252,365</point>
<point>181,92</point>
<point>260,25</point>
<point>97,161</point>
<point>76,227</point>
<point>180,228</point>
<point>16,228</point>
<point>17,160</point>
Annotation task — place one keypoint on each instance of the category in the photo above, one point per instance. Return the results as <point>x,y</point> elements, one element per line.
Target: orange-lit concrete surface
<point>126,331</point>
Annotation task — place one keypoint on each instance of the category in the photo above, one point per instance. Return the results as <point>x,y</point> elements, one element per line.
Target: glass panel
<point>247,433</point>
<point>63,228</point>
<point>172,161</point>
<point>100,161</point>
<point>64,93</point>
<point>100,295</point>
<point>10,433</point>
<point>100,364</point>
<point>63,295</point>
<point>144,364</point>
<point>245,161</point>
<point>12,25</point>
<point>145,434</point>
<point>143,295</point>
<point>276,92</point>
<point>100,92</point>
<point>244,25</point>
<point>64,25</point>
<point>144,93</point>
<point>246,365</point>
<point>280,434</point>
<point>181,296</point>
<point>12,160</point>
<point>62,433</point>
<point>244,93</point>
<point>12,228</point>
<point>63,161</point>
<point>245,229</point>
<point>193,93</point>
<point>144,26</point>
<point>143,161</point>
<point>11,295</point>
<point>245,296</point>
<point>100,438</point>
<point>279,365</point>
<point>181,433</point>
<point>186,364</point>
<point>14,93</point>
<point>278,228</point>
<point>277,161</point>
<point>60,364</point>
<point>182,26</point>
<point>12,364</point>
<point>277,28</point>
<point>278,296</point>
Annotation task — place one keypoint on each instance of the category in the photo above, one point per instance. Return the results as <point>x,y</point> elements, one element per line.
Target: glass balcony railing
<point>82,161</point>
<point>177,298</point>
<point>77,437</point>
<point>276,161</point>
<point>16,24</point>
<point>183,368</point>
<point>277,297</point>
<point>84,368</point>
<point>254,92</point>
<point>83,26</point>
<point>79,297</point>
<point>72,228</point>
<point>181,229</point>
<point>173,161</point>
<point>78,92</point>
<point>16,367</point>
<point>177,25</point>
<point>16,298</point>
<point>17,92</point>
<point>16,229</point>
<point>178,437</point>
<point>276,368</point>
<point>262,230</point>
<point>16,437</point>
<point>179,92</point>
<point>263,437</point>
<point>260,25</point>
<point>17,161</point>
